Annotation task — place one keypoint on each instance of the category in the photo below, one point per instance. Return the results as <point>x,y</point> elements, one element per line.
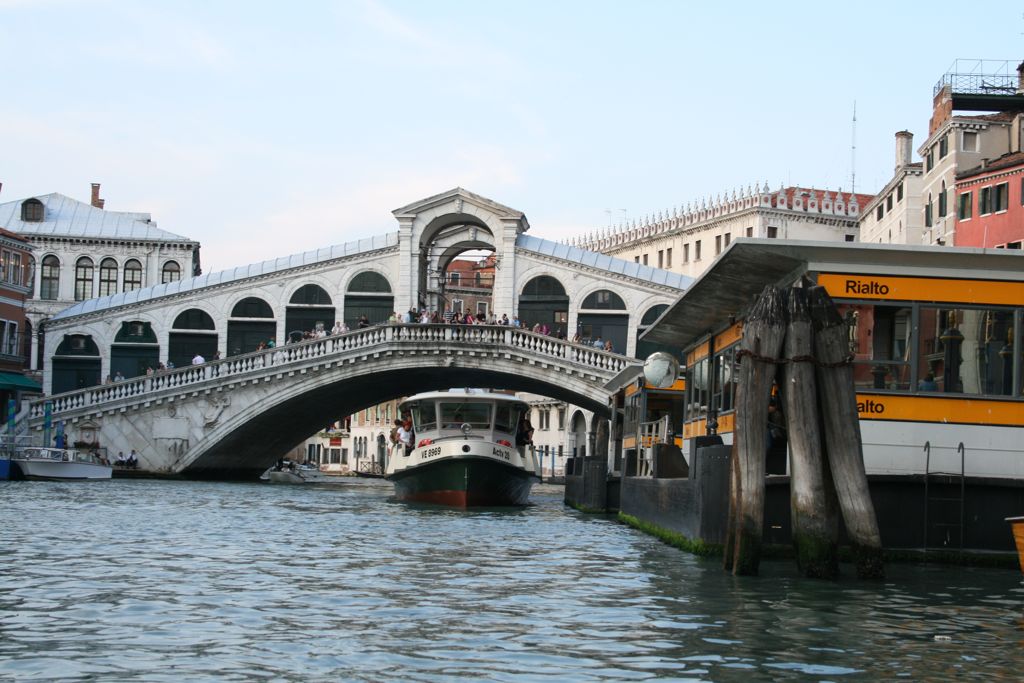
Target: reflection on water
<point>153,580</point>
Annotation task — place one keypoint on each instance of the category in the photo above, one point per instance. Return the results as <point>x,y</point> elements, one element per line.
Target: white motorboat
<point>58,464</point>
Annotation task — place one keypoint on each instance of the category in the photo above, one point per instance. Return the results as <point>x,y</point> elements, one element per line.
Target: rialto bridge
<point>241,411</point>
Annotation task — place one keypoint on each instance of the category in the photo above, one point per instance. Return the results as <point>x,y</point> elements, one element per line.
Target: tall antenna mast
<point>853,151</point>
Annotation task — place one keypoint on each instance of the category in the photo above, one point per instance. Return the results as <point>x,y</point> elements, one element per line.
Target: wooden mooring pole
<point>815,525</point>
<point>838,402</point>
<point>759,350</point>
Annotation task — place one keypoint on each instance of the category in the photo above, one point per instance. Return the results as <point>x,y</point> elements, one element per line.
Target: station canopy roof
<point>732,283</point>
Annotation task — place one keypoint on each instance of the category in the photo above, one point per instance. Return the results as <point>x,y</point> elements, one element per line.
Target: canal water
<point>168,581</point>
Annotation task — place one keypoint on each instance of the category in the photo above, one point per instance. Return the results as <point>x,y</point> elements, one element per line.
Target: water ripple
<point>152,581</point>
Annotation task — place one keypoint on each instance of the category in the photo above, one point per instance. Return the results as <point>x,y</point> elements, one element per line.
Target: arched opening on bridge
<point>368,294</point>
<point>646,348</point>
<point>193,332</point>
<point>466,284</point>
<point>134,350</point>
<point>382,451</point>
<point>309,310</point>
<point>76,364</point>
<point>597,321</point>
<point>445,277</point>
<point>251,323</point>
<point>544,301</point>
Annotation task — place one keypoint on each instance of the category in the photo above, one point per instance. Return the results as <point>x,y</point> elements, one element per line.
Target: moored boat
<point>58,464</point>
<point>466,453</point>
<point>289,472</point>
<point>1017,525</point>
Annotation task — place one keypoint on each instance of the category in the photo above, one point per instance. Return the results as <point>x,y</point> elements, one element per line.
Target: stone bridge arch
<point>234,416</point>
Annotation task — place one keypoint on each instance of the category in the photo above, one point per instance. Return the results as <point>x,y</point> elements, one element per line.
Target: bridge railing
<point>326,347</point>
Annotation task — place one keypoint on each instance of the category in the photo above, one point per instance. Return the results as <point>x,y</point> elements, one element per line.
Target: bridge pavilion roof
<point>729,287</point>
<point>67,217</point>
<point>231,275</point>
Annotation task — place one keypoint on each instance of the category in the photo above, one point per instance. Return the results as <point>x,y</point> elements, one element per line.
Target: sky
<point>262,129</point>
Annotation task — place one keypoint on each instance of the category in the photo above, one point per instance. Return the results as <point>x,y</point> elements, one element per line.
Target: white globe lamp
<point>661,369</point>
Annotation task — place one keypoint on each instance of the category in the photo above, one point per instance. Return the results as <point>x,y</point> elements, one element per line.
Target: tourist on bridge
<point>598,344</point>
<point>449,315</point>
<point>363,322</point>
<point>118,377</point>
<point>608,346</point>
<point>198,359</point>
<point>339,328</point>
<point>504,319</point>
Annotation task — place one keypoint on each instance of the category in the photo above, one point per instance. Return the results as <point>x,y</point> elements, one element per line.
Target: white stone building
<point>687,241</point>
<point>81,251</point>
<point>895,215</point>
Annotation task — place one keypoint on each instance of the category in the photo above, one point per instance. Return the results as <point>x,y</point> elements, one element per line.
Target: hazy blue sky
<point>268,128</point>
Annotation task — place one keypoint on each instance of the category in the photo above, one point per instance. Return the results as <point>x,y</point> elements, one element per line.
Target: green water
<point>157,580</point>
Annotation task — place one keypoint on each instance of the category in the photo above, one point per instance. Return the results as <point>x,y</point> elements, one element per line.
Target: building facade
<point>81,251</point>
<point>687,241</point>
<point>990,204</point>
<point>15,329</point>
<point>895,214</point>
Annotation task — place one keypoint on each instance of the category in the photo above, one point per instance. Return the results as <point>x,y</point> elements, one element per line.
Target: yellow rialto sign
<point>939,409</point>
<point>944,290</point>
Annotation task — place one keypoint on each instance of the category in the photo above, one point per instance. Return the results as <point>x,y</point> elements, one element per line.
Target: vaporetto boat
<point>465,453</point>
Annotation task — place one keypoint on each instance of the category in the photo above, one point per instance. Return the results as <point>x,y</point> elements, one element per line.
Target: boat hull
<point>465,482</point>
<point>51,470</point>
<point>1017,525</point>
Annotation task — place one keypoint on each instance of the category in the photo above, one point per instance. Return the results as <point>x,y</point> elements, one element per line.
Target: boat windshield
<point>424,415</point>
<point>478,415</point>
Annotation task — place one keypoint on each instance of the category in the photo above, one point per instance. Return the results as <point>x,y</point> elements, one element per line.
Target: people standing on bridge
<point>118,377</point>
<point>449,315</point>
<point>608,346</point>
<point>515,321</point>
<point>363,322</point>
<point>338,328</point>
<point>598,343</point>
<point>504,319</point>
<point>198,359</point>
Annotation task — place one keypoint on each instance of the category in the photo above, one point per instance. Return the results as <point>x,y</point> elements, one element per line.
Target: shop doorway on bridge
<point>467,285</point>
<point>544,301</point>
<point>135,349</point>
<point>193,332</point>
<point>599,319</point>
<point>368,294</point>
<point>251,323</point>
<point>76,364</point>
<point>309,310</point>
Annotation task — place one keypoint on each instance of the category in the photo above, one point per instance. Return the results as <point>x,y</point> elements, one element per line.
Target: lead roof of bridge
<point>67,217</point>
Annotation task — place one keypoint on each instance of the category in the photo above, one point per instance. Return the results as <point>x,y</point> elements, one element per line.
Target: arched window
<point>193,319</point>
<point>604,298</point>
<point>252,307</point>
<point>132,275</point>
<point>49,285</point>
<point>544,285</point>
<point>108,277</point>
<point>32,211</point>
<point>369,282</point>
<point>83,279</point>
<point>171,272</point>
<point>311,295</point>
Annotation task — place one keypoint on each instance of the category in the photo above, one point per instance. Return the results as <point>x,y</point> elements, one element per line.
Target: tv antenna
<point>853,151</point>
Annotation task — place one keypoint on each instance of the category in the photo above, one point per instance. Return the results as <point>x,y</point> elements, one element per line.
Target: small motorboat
<point>60,464</point>
<point>466,452</point>
<point>1017,525</point>
<point>290,472</point>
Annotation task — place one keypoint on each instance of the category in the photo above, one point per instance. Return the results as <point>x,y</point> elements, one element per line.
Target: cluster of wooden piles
<point>797,339</point>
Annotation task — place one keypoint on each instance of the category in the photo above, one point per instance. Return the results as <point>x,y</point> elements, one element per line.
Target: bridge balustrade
<point>335,345</point>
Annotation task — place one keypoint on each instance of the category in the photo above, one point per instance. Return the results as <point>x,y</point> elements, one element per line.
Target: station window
<point>966,350</point>
<point>879,339</point>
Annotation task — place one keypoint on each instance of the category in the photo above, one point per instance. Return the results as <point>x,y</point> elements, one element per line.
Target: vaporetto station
<point>238,413</point>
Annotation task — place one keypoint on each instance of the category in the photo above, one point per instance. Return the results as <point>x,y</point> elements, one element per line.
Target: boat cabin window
<point>506,417</point>
<point>424,415</point>
<point>453,415</point>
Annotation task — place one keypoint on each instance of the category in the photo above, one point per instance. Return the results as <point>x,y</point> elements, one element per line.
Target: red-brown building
<point>990,204</point>
<point>15,289</point>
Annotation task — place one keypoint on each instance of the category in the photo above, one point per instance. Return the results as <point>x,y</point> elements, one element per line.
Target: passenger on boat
<point>405,436</point>
<point>524,430</point>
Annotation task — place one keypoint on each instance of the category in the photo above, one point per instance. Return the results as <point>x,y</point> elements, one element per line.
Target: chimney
<point>96,201</point>
<point>904,148</point>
